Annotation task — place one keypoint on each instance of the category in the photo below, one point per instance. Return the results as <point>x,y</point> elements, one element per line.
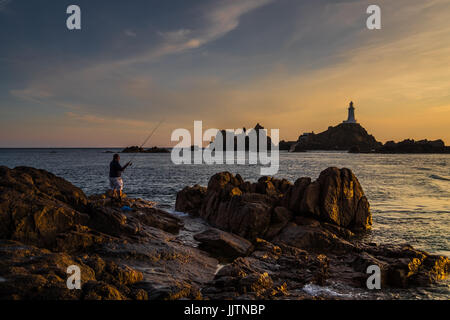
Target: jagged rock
<point>295,194</point>
<point>36,206</point>
<point>310,202</point>
<point>263,208</point>
<point>97,290</point>
<point>223,244</point>
<point>190,199</point>
<point>280,218</point>
<point>342,200</point>
<point>248,215</point>
<point>313,238</point>
<point>119,252</point>
<point>402,266</point>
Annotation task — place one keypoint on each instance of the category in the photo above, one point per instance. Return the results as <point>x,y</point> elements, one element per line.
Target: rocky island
<point>411,146</point>
<point>344,137</point>
<point>136,149</point>
<point>257,131</point>
<point>351,136</point>
<point>264,240</point>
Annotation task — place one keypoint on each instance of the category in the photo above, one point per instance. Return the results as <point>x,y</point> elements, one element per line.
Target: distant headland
<point>136,149</point>
<point>351,136</point>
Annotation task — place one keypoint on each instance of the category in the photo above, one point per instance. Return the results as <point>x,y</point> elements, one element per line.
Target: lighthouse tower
<point>351,114</point>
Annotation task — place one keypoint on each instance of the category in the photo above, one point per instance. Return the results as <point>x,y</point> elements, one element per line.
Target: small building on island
<point>351,114</point>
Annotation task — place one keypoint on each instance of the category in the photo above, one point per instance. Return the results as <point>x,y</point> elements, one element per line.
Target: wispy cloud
<point>130,33</point>
<point>3,4</point>
<point>218,20</point>
<point>97,120</point>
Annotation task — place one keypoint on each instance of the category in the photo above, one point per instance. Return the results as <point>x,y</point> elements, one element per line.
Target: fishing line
<point>142,145</point>
<point>148,138</point>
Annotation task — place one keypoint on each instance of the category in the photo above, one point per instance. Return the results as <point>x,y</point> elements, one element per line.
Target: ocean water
<point>409,194</point>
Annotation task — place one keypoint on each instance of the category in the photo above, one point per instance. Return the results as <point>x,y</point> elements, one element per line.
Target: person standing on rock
<point>115,176</point>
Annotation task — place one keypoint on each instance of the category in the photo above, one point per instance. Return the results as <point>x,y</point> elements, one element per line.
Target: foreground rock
<point>263,208</point>
<point>47,224</point>
<point>277,239</point>
<point>303,234</point>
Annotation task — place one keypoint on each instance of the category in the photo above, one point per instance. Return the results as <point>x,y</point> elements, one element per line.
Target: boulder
<point>342,200</point>
<point>223,244</point>
<point>280,218</point>
<point>190,199</point>
<point>247,215</point>
<point>312,238</point>
<point>36,206</point>
<point>263,208</point>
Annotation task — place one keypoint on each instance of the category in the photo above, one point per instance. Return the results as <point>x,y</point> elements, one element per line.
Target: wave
<point>434,176</point>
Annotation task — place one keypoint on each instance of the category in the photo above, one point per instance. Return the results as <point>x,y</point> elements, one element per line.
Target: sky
<point>293,65</point>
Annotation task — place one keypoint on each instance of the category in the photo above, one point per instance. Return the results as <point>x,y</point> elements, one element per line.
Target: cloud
<point>130,33</point>
<point>218,20</point>
<point>3,4</point>
<point>97,120</point>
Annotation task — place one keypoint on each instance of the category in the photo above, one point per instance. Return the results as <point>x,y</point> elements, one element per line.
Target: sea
<point>409,194</point>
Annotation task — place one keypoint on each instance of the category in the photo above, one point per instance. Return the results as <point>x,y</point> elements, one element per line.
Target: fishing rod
<point>148,138</point>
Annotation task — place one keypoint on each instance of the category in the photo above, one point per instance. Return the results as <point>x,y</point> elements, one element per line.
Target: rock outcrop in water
<point>246,137</point>
<point>284,237</point>
<point>411,146</point>
<point>302,233</point>
<point>261,209</point>
<point>136,149</point>
<point>344,136</point>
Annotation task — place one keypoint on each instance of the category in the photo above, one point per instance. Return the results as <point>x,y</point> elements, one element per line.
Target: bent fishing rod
<point>148,138</point>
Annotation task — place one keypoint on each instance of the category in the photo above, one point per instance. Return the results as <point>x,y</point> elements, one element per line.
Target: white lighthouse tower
<point>351,114</point>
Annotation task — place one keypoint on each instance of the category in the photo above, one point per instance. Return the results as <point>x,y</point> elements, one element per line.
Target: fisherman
<point>115,179</point>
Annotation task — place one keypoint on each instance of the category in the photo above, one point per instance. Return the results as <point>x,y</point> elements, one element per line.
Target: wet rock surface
<point>272,239</point>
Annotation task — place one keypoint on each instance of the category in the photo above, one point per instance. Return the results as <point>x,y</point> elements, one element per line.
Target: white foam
<point>315,290</point>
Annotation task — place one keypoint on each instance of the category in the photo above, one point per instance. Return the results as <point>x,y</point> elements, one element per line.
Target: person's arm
<point>126,165</point>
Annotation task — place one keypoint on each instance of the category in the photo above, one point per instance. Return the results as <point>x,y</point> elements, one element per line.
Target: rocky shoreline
<point>264,240</point>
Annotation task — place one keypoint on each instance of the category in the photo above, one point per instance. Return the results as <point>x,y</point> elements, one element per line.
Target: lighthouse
<point>351,114</point>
